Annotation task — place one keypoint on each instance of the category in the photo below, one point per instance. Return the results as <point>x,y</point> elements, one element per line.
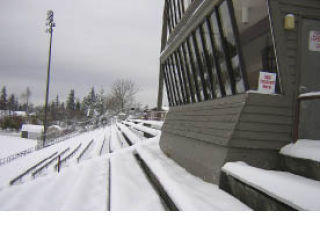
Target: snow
<point>133,138</point>
<point>11,145</point>
<point>79,188</point>
<point>187,191</point>
<point>153,124</point>
<point>153,132</point>
<point>303,148</point>
<point>130,190</point>
<point>82,186</point>
<point>310,94</point>
<point>298,192</point>
<point>115,143</point>
<point>32,128</point>
<point>259,92</point>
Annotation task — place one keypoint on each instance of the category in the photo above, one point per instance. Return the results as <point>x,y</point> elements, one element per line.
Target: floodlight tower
<point>51,24</point>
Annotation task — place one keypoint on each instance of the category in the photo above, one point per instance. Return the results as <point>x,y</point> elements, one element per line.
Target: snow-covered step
<point>130,136</point>
<point>130,190</point>
<point>114,142</point>
<point>302,158</point>
<point>147,131</point>
<point>270,190</point>
<point>188,192</point>
<point>149,123</point>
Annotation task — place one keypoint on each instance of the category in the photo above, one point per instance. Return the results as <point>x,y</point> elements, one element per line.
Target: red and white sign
<point>267,82</point>
<point>314,41</point>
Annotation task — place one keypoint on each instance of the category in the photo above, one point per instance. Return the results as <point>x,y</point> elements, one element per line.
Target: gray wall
<point>248,127</point>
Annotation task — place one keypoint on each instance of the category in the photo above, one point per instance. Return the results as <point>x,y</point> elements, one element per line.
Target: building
<point>31,131</point>
<point>156,113</point>
<point>212,54</point>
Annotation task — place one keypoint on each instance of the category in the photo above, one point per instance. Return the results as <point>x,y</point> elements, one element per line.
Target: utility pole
<point>51,24</point>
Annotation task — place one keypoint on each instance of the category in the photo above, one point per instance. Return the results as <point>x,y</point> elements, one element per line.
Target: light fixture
<point>244,14</point>
<point>289,22</point>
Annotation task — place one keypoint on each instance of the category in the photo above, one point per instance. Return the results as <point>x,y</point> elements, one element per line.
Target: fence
<point>15,156</point>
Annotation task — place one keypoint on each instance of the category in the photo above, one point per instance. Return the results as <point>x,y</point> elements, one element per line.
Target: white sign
<point>314,41</point>
<point>267,82</point>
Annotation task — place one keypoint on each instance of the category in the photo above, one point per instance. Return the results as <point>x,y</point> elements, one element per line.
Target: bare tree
<point>123,94</point>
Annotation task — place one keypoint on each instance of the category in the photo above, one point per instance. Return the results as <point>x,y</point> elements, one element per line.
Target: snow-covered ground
<point>11,145</point>
<point>101,162</point>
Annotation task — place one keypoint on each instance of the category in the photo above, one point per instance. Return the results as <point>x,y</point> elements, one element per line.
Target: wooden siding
<point>211,121</point>
<point>255,121</point>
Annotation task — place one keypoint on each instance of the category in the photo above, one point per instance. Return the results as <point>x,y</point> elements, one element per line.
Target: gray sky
<point>94,43</point>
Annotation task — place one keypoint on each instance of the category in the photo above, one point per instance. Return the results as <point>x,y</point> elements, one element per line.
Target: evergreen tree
<point>89,102</point>
<point>12,103</point>
<point>71,104</point>
<point>3,99</point>
<point>100,103</point>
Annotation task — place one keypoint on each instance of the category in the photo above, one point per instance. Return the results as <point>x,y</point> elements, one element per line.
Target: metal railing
<point>84,150</point>
<point>19,178</point>
<point>15,156</point>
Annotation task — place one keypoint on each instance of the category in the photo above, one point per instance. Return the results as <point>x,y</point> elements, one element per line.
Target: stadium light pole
<point>51,24</point>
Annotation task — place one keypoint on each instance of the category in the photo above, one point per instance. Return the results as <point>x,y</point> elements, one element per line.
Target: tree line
<point>120,97</point>
<point>11,102</point>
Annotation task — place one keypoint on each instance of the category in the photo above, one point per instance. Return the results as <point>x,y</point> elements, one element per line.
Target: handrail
<point>49,163</point>
<point>12,157</point>
<point>84,150</point>
<point>297,114</point>
<point>67,157</point>
<point>13,181</point>
<point>102,146</point>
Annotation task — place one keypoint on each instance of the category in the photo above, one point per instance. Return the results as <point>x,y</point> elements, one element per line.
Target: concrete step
<point>302,158</point>
<point>300,166</point>
<point>266,190</point>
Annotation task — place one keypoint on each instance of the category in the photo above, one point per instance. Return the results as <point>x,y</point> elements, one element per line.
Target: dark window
<point>193,71</point>
<point>197,70</point>
<point>184,77</point>
<point>170,84</point>
<point>166,80</point>
<point>220,55</point>
<point>203,65</point>
<point>188,72</point>
<point>256,42</point>
<point>173,68</point>
<point>210,56</point>
<point>180,77</point>
<point>173,82</point>
<point>237,79</point>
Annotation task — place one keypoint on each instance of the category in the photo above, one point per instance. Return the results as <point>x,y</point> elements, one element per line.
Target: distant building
<point>156,114</point>
<point>31,131</point>
<point>4,113</point>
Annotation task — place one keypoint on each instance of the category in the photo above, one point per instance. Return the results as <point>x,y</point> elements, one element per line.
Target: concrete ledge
<point>303,167</point>
<point>250,196</point>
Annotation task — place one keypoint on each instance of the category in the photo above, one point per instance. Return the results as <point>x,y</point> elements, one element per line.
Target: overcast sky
<point>94,43</point>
